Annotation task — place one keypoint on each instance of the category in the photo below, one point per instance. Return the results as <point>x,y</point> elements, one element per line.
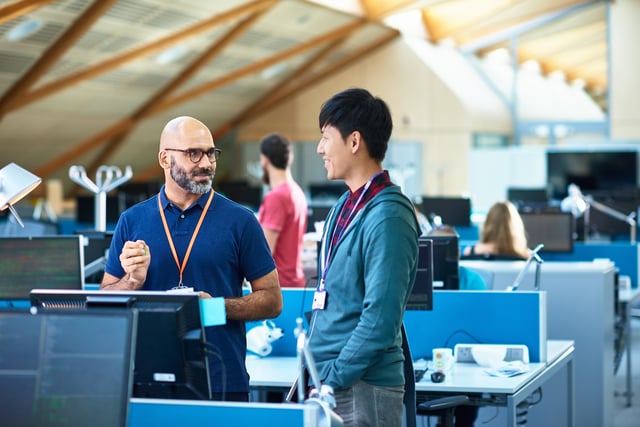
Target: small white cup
<point>442,360</point>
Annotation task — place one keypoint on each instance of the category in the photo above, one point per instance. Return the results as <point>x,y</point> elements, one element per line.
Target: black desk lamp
<point>15,184</point>
<point>579,204</point>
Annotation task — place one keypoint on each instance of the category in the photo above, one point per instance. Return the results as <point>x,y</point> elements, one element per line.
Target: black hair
<point>356,109</point>
<point>277,148</point>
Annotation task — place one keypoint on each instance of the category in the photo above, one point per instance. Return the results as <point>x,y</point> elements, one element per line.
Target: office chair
<point>443,407</point>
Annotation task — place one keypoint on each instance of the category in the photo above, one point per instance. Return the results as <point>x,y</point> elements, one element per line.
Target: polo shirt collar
<point>202,201</point>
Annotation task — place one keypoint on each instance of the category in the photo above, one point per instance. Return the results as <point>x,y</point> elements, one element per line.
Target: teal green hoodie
<point>368,281</point>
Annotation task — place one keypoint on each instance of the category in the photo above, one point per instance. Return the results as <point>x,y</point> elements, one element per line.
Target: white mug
<point>442,359</point>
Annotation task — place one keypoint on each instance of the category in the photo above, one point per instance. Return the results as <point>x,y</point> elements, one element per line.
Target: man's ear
<point>355,139</point>
<point>163,160</point>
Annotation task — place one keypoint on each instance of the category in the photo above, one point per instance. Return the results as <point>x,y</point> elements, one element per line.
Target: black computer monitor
<point>554,229</point>
<point>242,192</point>
<point>66,368</point>
<point>96,248</point>
<point>446,255</point>
<point>326,192</point>
<point>170,356</point>
<point>421,297</point>
<point>316,213</point>
<point>54,262</point>
<point>455,211</point>
<point>592,170</point>
<point>528,198</point>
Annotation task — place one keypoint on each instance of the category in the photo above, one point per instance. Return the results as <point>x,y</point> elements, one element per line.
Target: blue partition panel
<point>296,302</point>
<point>624,255</point>
<point>185,413</point>
<point>489,317</point>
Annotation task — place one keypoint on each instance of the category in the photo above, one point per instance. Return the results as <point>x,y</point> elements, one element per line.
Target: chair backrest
<point>409,383</point>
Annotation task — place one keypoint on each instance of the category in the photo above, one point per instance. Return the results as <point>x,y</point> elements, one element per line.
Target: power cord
<point>523,407</point>
<point>212,350</point>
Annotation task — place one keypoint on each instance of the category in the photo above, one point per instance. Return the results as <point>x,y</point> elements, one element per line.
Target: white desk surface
<point>465,377</point>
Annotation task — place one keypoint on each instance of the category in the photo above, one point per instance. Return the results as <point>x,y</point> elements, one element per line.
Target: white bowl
<point>489,356</point>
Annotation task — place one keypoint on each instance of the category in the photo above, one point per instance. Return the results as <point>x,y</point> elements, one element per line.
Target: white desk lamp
<point>579,204</point>
<point>15,184</point>
<point>321,395</point>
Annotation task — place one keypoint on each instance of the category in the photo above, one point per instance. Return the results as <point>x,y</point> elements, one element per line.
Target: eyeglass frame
<point>190,152</point>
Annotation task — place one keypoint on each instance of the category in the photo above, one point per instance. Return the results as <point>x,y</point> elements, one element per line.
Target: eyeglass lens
<point>195,155</point>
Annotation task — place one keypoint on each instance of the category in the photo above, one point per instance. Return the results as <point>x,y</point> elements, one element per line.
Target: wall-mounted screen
<point>592,171</point>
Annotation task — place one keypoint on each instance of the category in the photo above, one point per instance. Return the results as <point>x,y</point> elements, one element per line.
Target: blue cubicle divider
<point>194,413</point>
<point>624,255</point>
<point>296,302</point>
<point>488,317</point>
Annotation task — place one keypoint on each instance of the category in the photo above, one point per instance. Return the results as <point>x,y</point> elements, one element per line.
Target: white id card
<point>319,300</point>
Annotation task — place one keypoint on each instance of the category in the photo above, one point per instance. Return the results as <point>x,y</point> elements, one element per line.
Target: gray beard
<point>183,180</point>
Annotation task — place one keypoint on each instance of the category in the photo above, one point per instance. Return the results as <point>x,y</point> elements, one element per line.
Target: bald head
<point>185,132</point>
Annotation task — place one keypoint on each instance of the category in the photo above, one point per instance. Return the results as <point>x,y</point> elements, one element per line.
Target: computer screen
<point>66,368</point>
<point>446,254</point>
<point>327,192</point>
<point>170,356</point>
<point>421,297</point>
<point>554,229</point>
<point>528,198</point>
<point>454,211</point>
<point>54,262</point>
<point>591,171</point>
<point>242,192</point>
<point>96,248</point>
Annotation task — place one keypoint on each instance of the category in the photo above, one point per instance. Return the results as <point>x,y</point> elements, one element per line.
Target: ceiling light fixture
<point>171,55</point>
<point>24,30</point>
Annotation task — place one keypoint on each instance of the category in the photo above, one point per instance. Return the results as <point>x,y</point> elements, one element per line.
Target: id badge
<point>319,300</point>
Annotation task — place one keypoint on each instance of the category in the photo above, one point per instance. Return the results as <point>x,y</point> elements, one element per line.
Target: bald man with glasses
<point>189,236</point>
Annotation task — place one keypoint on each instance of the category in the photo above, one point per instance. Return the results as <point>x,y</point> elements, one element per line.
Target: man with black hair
<point>283,212</point>
<point>368,264</point>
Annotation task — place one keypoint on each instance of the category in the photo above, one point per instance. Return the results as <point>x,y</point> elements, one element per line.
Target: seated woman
<point>502,234</point>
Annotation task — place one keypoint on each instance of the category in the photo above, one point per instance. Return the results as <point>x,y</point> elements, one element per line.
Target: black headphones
<point>437,377</point>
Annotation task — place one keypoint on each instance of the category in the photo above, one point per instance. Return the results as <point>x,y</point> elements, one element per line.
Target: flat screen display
<point>170,355</point>
<point>591,171</point>
<point>556,230</point>
<point>421,297</point>
<point>46,262</point>
<point>70,369</point>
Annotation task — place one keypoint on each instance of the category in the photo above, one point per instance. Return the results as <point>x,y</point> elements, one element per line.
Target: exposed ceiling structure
<point>97,79</point>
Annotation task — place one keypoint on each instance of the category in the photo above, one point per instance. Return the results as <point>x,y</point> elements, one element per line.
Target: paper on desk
<point>212,311</point>
<point>508,369</point>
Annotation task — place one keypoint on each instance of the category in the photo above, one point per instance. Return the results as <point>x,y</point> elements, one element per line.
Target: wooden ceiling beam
<point>327,72</point>
<point>279,88</point>
<point>16,9</point>
<point>49,58</point>
<point>188,72</point>
<point>259,65</point>
<point>142,51</point>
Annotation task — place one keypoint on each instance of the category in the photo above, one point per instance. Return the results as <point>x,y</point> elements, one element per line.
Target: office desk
<point>278,373</point>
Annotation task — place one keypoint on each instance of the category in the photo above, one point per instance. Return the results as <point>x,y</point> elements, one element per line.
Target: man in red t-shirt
<point>283,212</point>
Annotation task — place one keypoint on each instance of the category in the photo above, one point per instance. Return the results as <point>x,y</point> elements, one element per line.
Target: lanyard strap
<point>193,237</point>
<point>327,260</point>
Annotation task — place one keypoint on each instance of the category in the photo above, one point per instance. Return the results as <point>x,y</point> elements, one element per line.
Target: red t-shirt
<point>284,210</point>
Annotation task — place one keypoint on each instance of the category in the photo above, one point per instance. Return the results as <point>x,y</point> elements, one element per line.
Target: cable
<point>523,407</point>
<point>460,331</point>
<point>211,349</point>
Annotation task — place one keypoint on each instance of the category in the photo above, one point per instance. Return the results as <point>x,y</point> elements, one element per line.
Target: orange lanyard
<point>193,237</point>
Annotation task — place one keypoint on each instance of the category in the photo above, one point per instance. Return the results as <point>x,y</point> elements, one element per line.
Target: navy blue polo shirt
<point>229,247</point>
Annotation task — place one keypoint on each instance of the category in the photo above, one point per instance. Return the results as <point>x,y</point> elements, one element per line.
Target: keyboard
<point>418,374</point>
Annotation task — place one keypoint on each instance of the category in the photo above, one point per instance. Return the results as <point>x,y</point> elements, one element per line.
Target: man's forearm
<point>260,304</point>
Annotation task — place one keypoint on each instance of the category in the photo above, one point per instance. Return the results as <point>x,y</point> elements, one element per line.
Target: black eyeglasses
<point>195,154</point>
